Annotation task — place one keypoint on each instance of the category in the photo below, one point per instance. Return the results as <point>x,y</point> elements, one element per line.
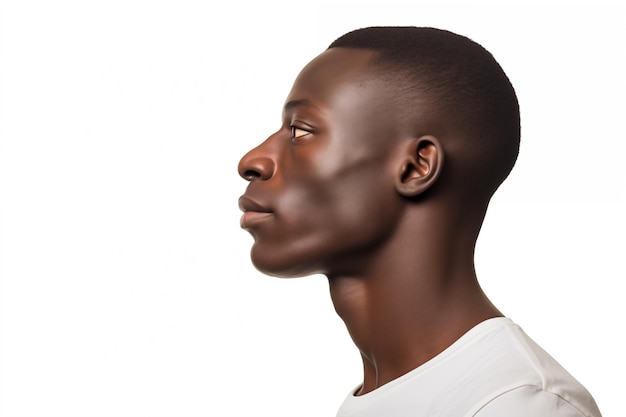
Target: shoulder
<point>494,370</point>
<point>530,382</point>
<point>531,401</point>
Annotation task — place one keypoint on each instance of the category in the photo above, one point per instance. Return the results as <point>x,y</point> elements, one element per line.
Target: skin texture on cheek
<point>317,222</point>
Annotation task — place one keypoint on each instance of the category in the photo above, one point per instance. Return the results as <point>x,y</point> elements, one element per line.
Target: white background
<point>126,287</point>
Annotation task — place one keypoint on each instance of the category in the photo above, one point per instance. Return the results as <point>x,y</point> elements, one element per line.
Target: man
<point>392,143</point>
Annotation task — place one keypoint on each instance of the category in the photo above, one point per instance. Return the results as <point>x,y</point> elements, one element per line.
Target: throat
<point>398,327</point>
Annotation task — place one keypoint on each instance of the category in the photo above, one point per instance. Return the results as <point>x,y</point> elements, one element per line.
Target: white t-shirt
<point>493,370</point>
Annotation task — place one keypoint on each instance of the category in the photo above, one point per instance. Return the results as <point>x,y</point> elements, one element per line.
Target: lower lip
<point>252,218</point>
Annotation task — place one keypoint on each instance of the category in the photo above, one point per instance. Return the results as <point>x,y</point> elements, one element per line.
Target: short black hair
<point>461,78</point>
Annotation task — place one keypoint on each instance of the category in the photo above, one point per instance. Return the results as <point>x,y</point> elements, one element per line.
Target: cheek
<point>355,208</point>
<point>368,213</point>
<point>325,213</point>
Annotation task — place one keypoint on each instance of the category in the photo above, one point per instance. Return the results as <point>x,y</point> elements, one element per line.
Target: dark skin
<point>353,188</point>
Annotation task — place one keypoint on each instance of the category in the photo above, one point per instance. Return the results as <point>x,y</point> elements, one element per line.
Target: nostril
<point>251,174</point>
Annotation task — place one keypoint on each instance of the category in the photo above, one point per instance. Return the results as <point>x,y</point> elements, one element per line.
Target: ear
<point>421,166</point>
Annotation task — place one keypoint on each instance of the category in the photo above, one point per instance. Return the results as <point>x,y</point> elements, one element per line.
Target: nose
<point>257,165</point>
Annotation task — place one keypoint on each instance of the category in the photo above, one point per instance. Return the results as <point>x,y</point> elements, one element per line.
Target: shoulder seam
<point>509,390</point>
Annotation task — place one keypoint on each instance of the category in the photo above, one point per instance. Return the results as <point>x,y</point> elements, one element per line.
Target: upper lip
<point>248,204</point>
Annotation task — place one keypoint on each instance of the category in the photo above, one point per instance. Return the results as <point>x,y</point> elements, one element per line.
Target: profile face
<point>321,189</point>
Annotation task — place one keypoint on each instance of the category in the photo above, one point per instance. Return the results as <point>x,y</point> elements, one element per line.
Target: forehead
<point>331,74</point>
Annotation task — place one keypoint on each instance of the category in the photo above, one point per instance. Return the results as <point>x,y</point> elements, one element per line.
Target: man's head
<point>365,132</point>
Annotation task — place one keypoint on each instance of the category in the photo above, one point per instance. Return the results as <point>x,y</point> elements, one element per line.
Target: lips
<point>253,212</point>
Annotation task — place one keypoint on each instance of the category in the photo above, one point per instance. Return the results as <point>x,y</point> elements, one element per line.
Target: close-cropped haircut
<point>461,79</point>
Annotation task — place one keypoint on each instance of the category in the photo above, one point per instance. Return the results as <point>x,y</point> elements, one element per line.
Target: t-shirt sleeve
<point>528,401</point>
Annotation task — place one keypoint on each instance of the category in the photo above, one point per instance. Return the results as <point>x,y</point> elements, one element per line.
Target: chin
<point>277,266</point>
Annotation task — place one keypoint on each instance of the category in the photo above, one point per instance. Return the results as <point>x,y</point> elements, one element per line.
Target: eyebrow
<point>296,103</point>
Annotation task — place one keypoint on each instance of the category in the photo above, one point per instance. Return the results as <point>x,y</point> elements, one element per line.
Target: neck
<point>411,304</point>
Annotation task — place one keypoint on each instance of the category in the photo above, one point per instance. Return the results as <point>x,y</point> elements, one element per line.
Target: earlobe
<point>421,166</point>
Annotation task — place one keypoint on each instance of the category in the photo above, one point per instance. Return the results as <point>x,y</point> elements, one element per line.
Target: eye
<point>296,132</point>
